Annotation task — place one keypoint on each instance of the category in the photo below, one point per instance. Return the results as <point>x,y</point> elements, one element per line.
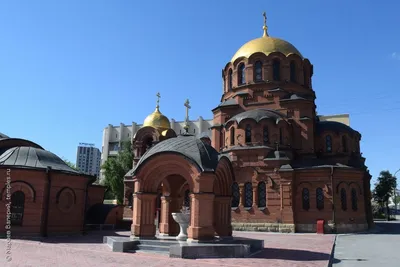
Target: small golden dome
<point>266,45</point>
<point>157,120</point>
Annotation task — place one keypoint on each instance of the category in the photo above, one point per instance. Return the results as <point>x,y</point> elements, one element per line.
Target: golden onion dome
<point>266,45</point>
<point>157,120</point>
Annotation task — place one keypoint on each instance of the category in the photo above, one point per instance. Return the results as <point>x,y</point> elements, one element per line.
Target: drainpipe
<point>333,203</point>
<point>47,204</point>
<point>85,204</point>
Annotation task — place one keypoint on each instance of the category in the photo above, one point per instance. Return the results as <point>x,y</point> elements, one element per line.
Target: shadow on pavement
<point>91,237</point>
<point>292,255</point>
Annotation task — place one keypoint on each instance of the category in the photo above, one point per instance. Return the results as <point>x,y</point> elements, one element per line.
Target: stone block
<point>119,244</point>
<point>202,250</point>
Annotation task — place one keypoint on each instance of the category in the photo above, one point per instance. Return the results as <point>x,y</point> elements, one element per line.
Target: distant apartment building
<point>88,159</point>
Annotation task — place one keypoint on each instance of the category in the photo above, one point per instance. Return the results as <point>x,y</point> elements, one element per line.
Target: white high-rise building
<point>88,159</point>
<point>114,136</point>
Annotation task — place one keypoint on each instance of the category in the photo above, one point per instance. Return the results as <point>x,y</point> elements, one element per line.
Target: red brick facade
<point>39,201</point>
<point>289,169</point>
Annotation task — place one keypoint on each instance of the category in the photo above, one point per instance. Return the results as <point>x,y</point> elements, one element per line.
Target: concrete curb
<point>332,256</point>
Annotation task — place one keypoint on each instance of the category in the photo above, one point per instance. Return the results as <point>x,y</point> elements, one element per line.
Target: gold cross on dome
<point>265,28</point>
<point>158,98</point>
<point>265,18</point>
<point>187,105</point>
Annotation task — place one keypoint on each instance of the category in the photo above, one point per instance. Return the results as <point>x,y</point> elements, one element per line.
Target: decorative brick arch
<point>62,196</point>
<point>341,185</point>
<point>19,185</point>
<point>143,133</point>
<point>223,197</point>
<point>156,168</point>
<point>357,187</point>
<point>225,177</point>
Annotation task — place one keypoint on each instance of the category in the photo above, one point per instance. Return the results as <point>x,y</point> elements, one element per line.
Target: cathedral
<point>270,164</point>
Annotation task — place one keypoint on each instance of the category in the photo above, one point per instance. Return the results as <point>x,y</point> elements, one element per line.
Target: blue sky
<point>69,68</point>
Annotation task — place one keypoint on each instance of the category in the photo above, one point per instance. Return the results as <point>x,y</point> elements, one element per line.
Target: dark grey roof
<point>97,214</point>
<point>278,89</point>
<point>277,155</point>
<point>32,157</point>
<point>311,163</point>
<point>241,94</point>
<point>293,97</point>
<point>229,102</point>
<point>334,126</point>
<point>257,115</point>
<point>3,136</point>
<point>200,153</point>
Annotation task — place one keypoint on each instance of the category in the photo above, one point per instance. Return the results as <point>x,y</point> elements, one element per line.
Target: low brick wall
<point>264,227</point>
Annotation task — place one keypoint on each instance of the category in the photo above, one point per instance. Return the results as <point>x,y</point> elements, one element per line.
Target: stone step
<point>164,243</point>
<point>156,252</point>
<point>142,247</point>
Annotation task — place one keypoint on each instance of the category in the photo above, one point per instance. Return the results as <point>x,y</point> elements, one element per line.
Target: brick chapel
<point>41,195</point>
<point>270,164</point>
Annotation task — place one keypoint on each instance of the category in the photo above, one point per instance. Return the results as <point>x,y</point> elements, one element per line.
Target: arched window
<point>328,143</point>
<point>306,198</point>
<point>17,208</point>
<point>130,200</point>
<point>223,82</point>
<point>265,135</point>
<point>248,134</point>
<point>344,143</point>
<point>235,195</point>
<point>230,80</point>
<point>281,136</point>
<point>354,204</point>
<point>320,198</point>
<point>343,199</point>
<point>186,200</point>
<point>221,140</point>
<point>276,68</point>
<point>241,74</point>
<point>262,195</point>
<point>258,71</point>
<point>248,195</point>
<point>232,137</point>
<point>148,143</point>
<point>293,71</point>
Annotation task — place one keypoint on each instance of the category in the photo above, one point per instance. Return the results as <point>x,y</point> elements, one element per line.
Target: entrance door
<point>17,208</point>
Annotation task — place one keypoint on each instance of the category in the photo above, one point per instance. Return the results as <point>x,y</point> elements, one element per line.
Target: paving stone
<point>295,250</point>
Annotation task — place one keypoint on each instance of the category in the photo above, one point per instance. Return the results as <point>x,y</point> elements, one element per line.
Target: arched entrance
<point>197,174</point>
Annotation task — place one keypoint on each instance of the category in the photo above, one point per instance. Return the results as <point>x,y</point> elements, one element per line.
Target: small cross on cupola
<point>187,105</point>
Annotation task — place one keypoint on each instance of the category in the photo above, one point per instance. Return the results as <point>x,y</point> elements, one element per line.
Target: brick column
<point>222,216</point>
<point>255,196</point>
<point>143,215</point>
<point>201,219</point>
<point>165,214</point>
<point>241,191</point>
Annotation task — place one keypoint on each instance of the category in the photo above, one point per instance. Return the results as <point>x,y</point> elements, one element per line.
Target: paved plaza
<point>378,249</point>
<point>306,250</point>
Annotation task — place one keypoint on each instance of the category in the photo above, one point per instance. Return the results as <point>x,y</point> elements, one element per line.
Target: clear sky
<point>69,68</point>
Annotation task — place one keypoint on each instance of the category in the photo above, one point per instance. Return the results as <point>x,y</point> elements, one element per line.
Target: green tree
<point>70,164</point>
<point>396,200</point>
<point>384,190</point>
<point>115,169</point>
